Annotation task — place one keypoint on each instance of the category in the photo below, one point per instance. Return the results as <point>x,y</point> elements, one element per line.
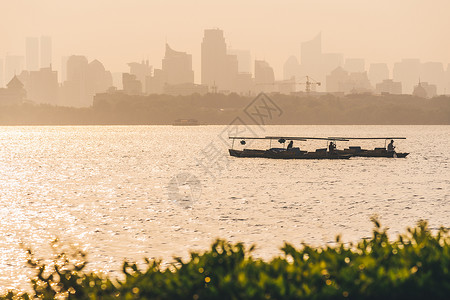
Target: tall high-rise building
<point>63,73</point>
<point>46,51</point>
<point>408,73</point>
<point>176,76</point>
<point>99,80</point>
<point>131,85</point>
<point>378,72</point>
<point>213,52</point>
<point>43,86</point>
<point>177,67</point>
<point>244,59</point>
<point>292,69</point>
<point>32,53</point>
<point>140,70</point>
<point>433,72</point>
<point>219,69</point>
<point>84,80</point>
<point>311,51</point>
<point>264,77</point>
<point>330,61</point>
<point>315,63</point>
<point>75,88</point>
<point>335,80</point>
<point>13,66</point>
<point>339,80</point>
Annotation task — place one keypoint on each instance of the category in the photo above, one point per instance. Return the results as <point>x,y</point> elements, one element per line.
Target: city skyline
<point>127,31</point>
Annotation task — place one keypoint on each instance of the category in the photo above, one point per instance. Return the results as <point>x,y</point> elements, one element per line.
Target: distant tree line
<point>217,109</point>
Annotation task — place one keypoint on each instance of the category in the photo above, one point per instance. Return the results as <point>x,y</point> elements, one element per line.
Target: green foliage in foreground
<point>415,266</point>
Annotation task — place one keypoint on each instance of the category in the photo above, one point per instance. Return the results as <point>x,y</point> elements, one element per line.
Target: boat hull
<point>373,153</point>
<point>287,154</point>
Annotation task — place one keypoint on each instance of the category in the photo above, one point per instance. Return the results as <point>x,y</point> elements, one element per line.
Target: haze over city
<point>118,32</point>
<point>225,149</point>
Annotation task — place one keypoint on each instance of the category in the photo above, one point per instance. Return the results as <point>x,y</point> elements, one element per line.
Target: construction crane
<point>309,83</point>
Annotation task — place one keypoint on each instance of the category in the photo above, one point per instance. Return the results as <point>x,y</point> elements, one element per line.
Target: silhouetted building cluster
<point>425,90</point>
<point>14,93</point>
<point>341,81</point>
<point>176,76</point>
<point>389,86</point>
<point>352,76</point>
<point>83,80</point>
<point>223,70</point>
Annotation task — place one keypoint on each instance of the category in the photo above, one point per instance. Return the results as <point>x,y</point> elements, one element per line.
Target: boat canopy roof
<point>368,138</point>
<point>292,138</point>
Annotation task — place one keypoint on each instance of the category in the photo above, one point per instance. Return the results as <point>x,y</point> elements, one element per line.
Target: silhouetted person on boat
<point>291,144</point>
<point>391,147</point>
<point>331,147</point>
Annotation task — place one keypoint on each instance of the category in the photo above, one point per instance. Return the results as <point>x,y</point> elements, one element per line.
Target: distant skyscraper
<point>46,51</point>
<point>378,72</point>
<point>244,59</point>
<point>433,72</point>
<point>140,70</point>
<point>335,80</point>
<point>315,63</point>
<point>292,68</point>
<point>32,53</point>
<point>330,61</point>
<point>219,70</point>
<point>177,67</point>
<point>339,80</point>
<point>131,85</point>
<point>407,72</point>
<point>175,77</point>
<point>13,66</point>
<point>355,65</point>
<point>117,80</point>
<point>84,80</point>
<point>264,77</point>
<point>63,74</point>
<point>311,51</point>
<point>214,51</point>
<point>43,86</point>
<point>99,80</point>
<point>76,86</point>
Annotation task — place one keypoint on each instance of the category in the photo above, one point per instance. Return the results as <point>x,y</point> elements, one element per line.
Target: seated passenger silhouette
<point>390,146</point>
<point>291,144</point>
<point>331,147</point>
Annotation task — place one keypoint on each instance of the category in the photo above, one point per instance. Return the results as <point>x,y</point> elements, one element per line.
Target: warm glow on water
<point>110,190</point>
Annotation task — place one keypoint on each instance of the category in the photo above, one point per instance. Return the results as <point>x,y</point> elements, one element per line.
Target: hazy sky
<point>120,31</point>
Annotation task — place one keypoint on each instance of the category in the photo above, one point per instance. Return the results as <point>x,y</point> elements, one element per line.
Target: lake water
<point>157,191</point>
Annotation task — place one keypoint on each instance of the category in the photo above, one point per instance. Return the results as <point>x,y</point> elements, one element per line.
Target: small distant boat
<point>285,153</point>
<point>376,152</point>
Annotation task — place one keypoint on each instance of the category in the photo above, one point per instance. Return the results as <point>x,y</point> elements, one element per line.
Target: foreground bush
<point>415,266</point>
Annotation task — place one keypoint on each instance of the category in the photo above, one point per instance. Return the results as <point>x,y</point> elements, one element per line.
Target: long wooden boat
<point>285,153</point>
<point>357,151</point>
<point>281,153</point>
